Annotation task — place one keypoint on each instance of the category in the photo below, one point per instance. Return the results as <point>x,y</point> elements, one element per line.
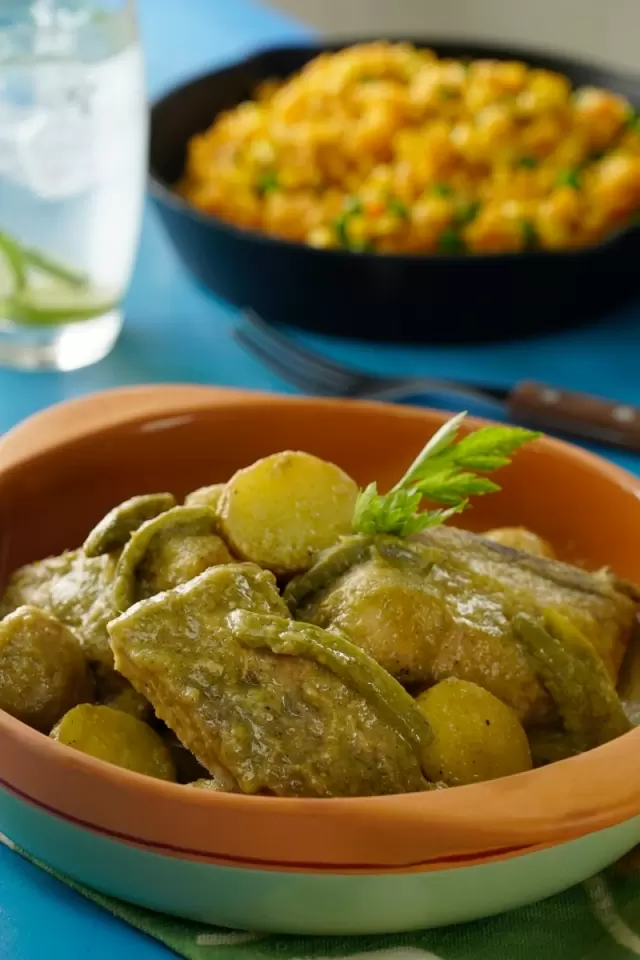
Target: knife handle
<point>581,415</point>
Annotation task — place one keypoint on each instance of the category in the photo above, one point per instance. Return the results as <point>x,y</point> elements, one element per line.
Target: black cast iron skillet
<point>420,298</point>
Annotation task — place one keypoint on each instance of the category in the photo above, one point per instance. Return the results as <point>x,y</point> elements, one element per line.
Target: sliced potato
<point>475,735</point>
<point>167,551</point>
<point>130,701</point>
<point>115,737</point>
<point>175,560</point>
<point>43,672</point>
<point>281,511</point>
<point>76,590</point>
<point>206,497</point>
<point>212,785</point>
<point>219,780</point>
<point>112,690</point>
<point>519,538</point>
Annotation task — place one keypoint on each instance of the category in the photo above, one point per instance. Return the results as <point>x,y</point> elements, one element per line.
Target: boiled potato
<point>115,737</point>
<point>284,509</point>
<point>166,552</point>
<point>475,735</point>
<point>43,672</point>
<point>219,780</point>
<point>213,785</point>
<point>174,561</point>
<point>113,690</point>
<point>130,701</point>
<point>519,538</point>
<point>206,497</point>
<point>75,589</point>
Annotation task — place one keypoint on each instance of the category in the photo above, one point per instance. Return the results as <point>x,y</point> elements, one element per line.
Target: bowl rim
<point>164,192</point>
<point>506,817</point>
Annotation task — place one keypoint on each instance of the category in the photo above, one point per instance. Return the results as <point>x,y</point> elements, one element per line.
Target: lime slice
<point>12,272</point>
<point>54,268</point>
<point>57,303</point>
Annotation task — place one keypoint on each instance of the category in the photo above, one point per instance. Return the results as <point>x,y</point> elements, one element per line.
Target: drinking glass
<point>73,159</point>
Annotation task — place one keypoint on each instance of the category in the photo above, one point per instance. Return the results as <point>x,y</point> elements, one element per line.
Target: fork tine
<point>320,368</point>
<point>299,378</point>
<point>289,365</point>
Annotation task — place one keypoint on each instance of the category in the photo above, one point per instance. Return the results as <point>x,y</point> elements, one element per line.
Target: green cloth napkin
<point>595,921</point>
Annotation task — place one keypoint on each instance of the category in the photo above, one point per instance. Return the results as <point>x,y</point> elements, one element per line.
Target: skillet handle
<point>580,415</point>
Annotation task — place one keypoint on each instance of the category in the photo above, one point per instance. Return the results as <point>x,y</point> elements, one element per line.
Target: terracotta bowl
<point>366,865</point>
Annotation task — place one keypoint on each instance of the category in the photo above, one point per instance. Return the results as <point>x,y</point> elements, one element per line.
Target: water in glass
<point>73,141</point>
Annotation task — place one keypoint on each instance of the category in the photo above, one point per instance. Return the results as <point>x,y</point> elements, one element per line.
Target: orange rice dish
<point>385,147</point>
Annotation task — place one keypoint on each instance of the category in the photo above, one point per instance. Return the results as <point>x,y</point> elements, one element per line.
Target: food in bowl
<point>287,634</point>
<point>385,147</point>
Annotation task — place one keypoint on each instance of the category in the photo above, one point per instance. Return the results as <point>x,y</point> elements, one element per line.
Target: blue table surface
<point>175,332</point>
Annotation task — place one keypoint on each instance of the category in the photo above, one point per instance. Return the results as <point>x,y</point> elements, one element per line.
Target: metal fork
<point>576,415</point>
<point>318,375</point>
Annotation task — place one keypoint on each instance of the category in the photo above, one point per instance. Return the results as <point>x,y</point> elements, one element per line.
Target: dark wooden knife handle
<point>580,415</point>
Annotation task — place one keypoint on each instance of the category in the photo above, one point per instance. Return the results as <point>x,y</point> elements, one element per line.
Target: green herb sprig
<point>397,208</point>
<point>441,190</point>
<point>633,120</point>
<point>352,208</point>
<point>451,241</point>
<point>268,182</point>
<point>447,472</point>
<point>529,234</point>
<point>570,178</point>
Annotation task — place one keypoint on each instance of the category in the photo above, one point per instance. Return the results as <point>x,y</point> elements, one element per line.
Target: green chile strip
<point>189,519</point>
<point>351,551</point>
<point>116,527</point>
<point>413,555</point>
<point>344,659</point>
<point>575,676</point>
<point>329,566</point>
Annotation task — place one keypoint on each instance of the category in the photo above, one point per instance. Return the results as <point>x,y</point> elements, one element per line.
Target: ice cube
<point>13,122</point>
<point>56,155</point>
